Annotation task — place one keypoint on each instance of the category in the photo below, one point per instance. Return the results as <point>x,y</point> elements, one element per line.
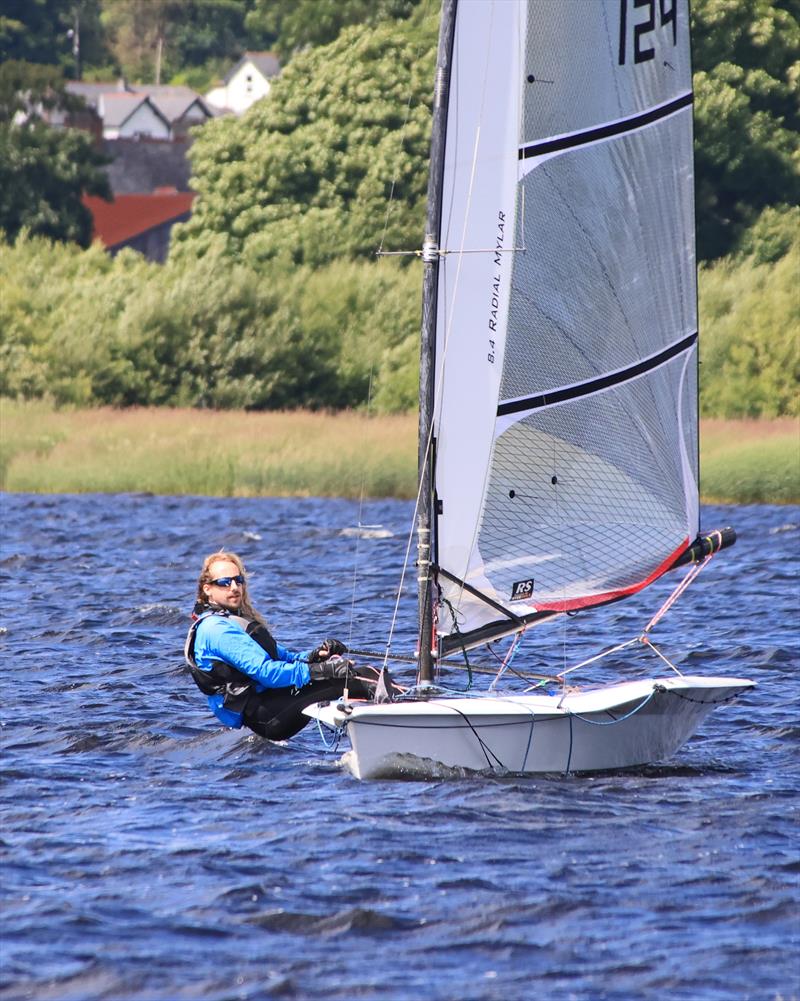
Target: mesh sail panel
<point>617,281</point>
<point>587,514</point>
<point>573,51</point>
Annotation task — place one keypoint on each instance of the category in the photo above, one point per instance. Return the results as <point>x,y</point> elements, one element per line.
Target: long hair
<point>246,608</point>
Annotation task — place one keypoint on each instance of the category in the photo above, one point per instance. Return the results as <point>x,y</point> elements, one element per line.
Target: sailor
<point>249,678</point>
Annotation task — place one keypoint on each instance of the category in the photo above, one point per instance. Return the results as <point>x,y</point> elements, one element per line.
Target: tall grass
<point>750,461</point>
<point>232,453</point>
<point>224,453</point>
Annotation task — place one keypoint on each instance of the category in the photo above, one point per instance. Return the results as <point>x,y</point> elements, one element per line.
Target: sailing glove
<point>330,648</point>
<point>329,669</point>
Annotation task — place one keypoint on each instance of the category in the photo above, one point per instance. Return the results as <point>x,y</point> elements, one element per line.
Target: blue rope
<point>569,756</point>
<point>338,733</point>
<point>530,738</point>
<point>612,722</point>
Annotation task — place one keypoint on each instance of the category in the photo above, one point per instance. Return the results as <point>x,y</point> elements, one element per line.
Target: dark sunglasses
<point>227,581</point>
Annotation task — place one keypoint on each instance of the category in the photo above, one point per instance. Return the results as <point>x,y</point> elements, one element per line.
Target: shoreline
<point>303,454</point>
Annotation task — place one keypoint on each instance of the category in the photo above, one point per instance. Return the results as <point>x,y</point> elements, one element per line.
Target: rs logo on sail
<point>522,590</point>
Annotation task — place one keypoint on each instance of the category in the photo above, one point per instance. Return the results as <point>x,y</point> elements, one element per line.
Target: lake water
<point>150,854</point>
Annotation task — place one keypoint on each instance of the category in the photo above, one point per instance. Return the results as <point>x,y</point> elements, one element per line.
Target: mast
<point>430,281</point>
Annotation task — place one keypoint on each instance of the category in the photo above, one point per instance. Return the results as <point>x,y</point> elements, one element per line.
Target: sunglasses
<point>227,581</point>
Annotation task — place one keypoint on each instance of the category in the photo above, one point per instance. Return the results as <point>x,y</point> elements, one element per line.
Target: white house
<point>126,116</point>
<point>142,110</point>
<point>181,106</point>
<point>248,81</point>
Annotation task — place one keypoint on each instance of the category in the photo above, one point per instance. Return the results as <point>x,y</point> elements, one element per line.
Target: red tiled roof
<point>129,215</point>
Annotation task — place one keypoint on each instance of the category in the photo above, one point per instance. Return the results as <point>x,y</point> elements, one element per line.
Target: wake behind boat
<point>558,380</point>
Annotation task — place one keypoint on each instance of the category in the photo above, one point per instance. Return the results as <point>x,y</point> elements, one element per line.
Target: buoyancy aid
<point>223,678</point>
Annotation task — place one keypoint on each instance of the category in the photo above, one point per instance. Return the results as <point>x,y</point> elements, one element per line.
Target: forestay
<point>566,404</point>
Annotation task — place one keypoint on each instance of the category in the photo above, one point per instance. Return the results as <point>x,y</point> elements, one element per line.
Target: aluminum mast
<point>430,258</point>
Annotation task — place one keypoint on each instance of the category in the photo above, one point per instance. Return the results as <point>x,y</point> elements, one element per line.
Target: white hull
<point>618,726</point>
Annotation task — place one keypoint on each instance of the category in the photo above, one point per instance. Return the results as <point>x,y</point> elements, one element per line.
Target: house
<point>141,222</point>
<point>144,131</point>
<point>129,116</point>
<point>248,81</point>
<point>142,110</point>
<point>181,106</point>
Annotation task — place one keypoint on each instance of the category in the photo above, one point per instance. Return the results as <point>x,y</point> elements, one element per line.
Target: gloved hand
<point>330,648</point>
<point>336,667</point>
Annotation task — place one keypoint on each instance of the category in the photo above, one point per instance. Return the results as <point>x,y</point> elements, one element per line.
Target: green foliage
<point>201,78</point>
<point>30,89</point>
<point>293,175</point>
<point>85,329</point>
<point>305,176</point>
<point>34,30</point>
<point>173,38</point>
<point>272,297</point>
<point>747,115</point>
<point>299,24</point>
<point>43,171</point>
<point>43,31</point>
<point>749,319</point>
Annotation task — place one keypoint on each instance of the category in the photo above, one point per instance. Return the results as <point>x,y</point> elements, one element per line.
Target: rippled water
<point>150,854</point>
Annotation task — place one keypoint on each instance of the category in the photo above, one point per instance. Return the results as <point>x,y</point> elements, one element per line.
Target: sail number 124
<point>638,20</point>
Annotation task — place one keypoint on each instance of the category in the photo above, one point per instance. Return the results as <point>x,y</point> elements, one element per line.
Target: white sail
<point>565,420</point>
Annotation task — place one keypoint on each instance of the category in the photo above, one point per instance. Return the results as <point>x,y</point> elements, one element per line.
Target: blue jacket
<point>217,637</point>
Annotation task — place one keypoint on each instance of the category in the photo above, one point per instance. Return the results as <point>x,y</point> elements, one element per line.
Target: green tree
<point>63,33</point>
<point>35,30</point>
<point>155,40</point>
<point>299,24</point>
<point>749,318</point>
<point>331,165</point>
<point>747,115</point>
<point>138,33</point>
<point>44,171</point>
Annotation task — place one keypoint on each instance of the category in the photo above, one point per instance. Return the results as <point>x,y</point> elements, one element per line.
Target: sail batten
<point>564,393</point>
<point>608,130</point>
<point>566,413</point>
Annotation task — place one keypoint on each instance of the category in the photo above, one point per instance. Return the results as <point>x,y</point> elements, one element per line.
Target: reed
<point>222,453</point>
<point>750,461</point>
<point>237,454</point>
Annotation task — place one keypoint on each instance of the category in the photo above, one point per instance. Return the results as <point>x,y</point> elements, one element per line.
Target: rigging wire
<point>356,560</point>
<point>510,654</point>
<point>390,202</point>
<point>644,638</point>
<point>381,253</point>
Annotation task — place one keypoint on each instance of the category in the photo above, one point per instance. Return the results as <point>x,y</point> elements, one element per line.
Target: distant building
<point>248,81</point>
<point>129,116</point>
<point>139,111</point>
<point>144,130</point>
<point>181,106</point>
<point>140,222</point>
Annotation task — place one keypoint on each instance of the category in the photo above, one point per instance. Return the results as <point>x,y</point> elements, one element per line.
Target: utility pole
<point>74,34</point>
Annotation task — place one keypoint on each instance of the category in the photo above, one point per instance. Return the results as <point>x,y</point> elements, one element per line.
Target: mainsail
<point>558,410</point>
<point>565,409</point>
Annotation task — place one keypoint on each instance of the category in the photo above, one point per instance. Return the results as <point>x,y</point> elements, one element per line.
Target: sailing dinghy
<point>558,397</point>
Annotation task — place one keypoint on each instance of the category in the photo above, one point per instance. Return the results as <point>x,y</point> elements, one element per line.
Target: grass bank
<point>236,454</point>
<point>750,461</point>
<point>222,453</point>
